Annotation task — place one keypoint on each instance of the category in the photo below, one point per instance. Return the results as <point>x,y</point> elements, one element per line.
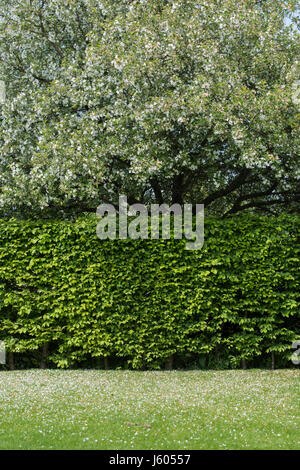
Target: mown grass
<point>91,409</point>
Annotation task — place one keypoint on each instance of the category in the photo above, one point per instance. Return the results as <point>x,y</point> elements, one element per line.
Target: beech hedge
<point>68,299</point>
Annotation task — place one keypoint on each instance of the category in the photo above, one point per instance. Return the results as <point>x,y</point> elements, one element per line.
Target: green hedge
<point>69,299</point>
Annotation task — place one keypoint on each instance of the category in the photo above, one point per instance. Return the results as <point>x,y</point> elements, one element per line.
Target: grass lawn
<point>91,409</point>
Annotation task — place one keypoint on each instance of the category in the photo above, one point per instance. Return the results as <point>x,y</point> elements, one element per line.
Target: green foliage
<point>142,301</point>
<point>161,100</point>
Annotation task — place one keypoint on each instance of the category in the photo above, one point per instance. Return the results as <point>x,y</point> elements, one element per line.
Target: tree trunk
<point>44,355</point>
<point>11,361</point>
<point>169,362</point>
<point>106,363</point>
<point>177,190</point>
<point>273,360</point>
<point>157,191</point>
<point>244,364</point>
